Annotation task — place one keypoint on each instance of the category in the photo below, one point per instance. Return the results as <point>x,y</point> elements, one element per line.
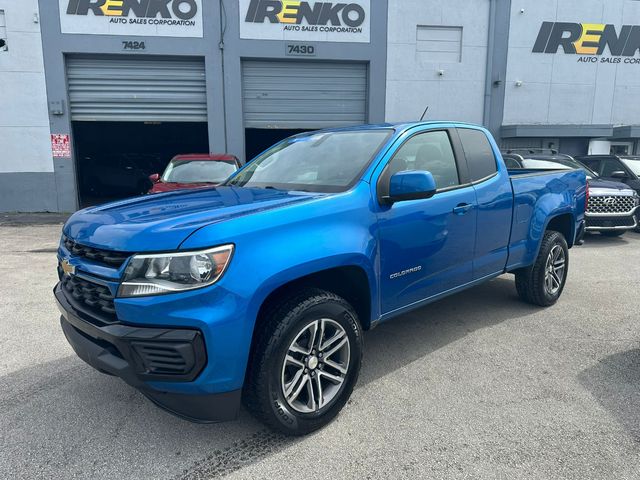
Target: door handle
<point>462,208</point>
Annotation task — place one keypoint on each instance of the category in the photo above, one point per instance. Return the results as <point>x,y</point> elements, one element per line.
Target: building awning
<point>627,131</point>
<point>557,131</point>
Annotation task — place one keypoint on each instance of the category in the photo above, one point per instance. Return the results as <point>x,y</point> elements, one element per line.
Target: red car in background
<point>194,171</point>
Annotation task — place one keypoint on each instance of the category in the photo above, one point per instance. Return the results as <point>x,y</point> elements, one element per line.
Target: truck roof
<point>399,126</point>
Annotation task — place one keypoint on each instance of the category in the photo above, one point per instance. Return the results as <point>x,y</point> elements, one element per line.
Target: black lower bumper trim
<point>208,408</point>
<point>115,350</point>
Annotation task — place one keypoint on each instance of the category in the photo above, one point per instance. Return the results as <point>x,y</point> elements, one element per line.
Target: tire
<point>284,330</point>
<point>533,283</point>
<point>613,233</point>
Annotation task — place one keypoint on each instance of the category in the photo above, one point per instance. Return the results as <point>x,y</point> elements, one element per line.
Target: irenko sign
<point>317,21</point>
<point>590,41</point>
<point>162,18</point>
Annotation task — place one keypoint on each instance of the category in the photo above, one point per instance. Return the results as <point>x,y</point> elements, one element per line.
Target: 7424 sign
<point>133,46</point>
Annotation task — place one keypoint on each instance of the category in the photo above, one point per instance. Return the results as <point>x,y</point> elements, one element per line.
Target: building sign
<point>593,42</point>
<point>60,146</point>
<point>315,21</point>
<point>160,18</point>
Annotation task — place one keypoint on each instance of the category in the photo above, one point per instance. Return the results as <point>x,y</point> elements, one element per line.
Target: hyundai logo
<point>610,201</point>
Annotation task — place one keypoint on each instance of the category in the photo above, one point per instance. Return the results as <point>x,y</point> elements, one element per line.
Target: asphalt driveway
<point>479,385</point>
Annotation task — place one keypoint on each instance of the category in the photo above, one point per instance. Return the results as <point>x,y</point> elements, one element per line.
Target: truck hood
<point>606,184</point>
<point>163,221</point>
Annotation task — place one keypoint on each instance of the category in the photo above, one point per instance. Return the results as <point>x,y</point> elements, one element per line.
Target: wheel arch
<point>565,224</point>
<point>351,282</point>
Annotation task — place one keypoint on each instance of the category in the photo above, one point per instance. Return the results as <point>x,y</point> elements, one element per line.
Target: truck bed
<point>538,195</point>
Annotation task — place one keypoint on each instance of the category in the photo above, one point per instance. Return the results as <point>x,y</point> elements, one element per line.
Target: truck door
<point>495,203</point>
<point>426,246</point>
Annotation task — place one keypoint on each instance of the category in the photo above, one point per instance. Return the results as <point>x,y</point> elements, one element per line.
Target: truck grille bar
<point>112,259</point>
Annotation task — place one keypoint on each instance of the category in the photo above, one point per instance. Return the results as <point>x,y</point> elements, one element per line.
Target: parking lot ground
<point>478,385</point>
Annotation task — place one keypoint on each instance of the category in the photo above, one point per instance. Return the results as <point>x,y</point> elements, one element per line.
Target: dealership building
<point>106,92</point>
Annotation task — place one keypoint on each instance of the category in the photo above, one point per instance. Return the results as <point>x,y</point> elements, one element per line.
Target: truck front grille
<point>112,259</point>
<point>611,204</point>
<point>92,299</point>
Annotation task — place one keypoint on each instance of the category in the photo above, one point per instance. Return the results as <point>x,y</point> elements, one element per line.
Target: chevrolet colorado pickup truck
<point>259,290</point>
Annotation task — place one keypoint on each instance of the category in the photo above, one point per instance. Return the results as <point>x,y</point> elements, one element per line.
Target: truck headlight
<point>156,274</point>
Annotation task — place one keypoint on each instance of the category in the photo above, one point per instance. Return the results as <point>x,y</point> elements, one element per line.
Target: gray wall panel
<point>413,76</point>
<point>28,192</point>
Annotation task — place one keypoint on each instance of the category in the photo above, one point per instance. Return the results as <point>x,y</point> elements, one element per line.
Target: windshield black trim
<point>310,187</point>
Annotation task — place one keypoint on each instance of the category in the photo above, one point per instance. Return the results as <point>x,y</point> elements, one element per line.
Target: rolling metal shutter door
<point>137,89</point>
<point>302,94</point>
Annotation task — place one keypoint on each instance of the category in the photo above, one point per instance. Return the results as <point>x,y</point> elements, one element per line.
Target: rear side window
<point>480,158</point>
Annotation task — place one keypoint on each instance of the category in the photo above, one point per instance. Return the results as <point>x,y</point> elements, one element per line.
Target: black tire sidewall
<point>300,423</point>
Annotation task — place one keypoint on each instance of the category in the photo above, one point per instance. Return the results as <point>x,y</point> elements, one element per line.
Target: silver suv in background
<point>612,207</point>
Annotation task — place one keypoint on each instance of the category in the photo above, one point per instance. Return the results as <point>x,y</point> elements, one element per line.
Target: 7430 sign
<point>300,50</point>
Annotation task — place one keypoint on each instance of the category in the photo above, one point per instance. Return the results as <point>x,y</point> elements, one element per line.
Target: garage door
<point>117,89</point>
<point>303,95</point>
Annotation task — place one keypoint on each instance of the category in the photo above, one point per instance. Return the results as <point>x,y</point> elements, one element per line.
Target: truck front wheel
<point>543,282</point>
<point>305,362</point>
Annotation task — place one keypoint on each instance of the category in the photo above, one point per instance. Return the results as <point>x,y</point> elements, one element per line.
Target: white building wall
<point>453,89</point>
<point>556,88</point>
<point>24,121</point>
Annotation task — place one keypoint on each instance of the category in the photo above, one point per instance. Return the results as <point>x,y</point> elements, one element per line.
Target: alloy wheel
<point>554,270</point>
<point>315,366</point>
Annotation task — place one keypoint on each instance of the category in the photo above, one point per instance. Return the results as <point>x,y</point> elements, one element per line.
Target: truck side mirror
<point>411,185</point>
<point>619,174</point>
<point>155,178</point>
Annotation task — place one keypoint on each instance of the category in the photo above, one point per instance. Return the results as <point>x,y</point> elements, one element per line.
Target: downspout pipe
<point>497,56</point>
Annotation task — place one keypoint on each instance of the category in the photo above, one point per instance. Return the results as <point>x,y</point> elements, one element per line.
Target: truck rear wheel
<point>305,362</point>
<point>543,282</point>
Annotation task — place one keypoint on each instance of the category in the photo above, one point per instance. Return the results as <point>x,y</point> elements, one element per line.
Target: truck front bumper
<point>140,355</point>
<point>608,223</point>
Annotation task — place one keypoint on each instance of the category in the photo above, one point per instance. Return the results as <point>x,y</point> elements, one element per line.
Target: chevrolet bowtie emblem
<point>67,268</point>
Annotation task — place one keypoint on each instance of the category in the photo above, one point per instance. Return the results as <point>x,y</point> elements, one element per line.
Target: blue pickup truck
<point>259,290</point>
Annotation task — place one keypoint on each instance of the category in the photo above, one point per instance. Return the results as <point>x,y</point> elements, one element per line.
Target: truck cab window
<point>431,152</point>
<point>480,157</point>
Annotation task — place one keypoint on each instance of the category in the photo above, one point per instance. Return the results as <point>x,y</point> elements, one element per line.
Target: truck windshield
<point>197,171</point>
<point>325,162</point>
